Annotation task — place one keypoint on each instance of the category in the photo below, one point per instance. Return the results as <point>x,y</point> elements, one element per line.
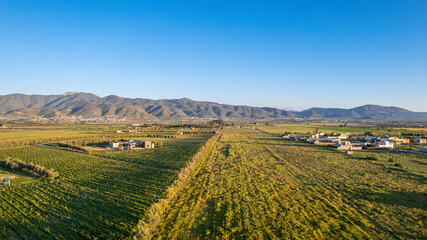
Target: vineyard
<point>256,185</point>
<point>92,198</point>
<point>170,155</point>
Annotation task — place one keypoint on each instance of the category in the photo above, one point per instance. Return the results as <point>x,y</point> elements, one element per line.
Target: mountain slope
<point>363,112</point>
<point>89,105</point>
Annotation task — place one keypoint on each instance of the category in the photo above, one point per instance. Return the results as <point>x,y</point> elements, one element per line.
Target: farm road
<point>110,159</point>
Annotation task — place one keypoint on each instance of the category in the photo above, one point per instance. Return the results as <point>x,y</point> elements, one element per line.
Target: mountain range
<point>88,105</point>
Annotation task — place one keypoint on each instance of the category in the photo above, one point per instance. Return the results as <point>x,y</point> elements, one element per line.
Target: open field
<point>259,186</point>
<point>28,137</point>
<point>303,129</point>
<point>93,198</point>
<point>24,136</point>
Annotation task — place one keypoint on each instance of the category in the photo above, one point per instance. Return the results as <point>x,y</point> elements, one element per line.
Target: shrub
<point>398,165</point>
<point>374,158</point>
<point>390,160</point>
<point>34,169</point>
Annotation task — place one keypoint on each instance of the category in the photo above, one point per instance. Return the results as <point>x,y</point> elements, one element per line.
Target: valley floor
<point>256,185</point>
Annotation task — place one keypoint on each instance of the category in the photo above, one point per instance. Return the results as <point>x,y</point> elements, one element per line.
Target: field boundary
<point>147,227</point>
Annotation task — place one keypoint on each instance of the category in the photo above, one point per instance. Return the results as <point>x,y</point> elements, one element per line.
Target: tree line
<point>34,169</point>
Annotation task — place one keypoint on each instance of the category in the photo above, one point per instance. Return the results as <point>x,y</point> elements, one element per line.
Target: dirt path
<point>110,159</point>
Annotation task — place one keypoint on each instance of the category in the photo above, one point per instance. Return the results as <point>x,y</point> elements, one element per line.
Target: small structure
<point>325,142</point>
<point>398,140</point>
<point>114,145</point>
<point>343,135</point>
<point>385,144</point>
<point>420,141</point>
<point>381,145</point>
<point>147,144</point>
<point>348,152</point>
<point>346,145</point>
<point>6,181</point>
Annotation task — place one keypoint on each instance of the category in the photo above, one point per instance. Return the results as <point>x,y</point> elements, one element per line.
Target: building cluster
<point>346,141</point>
<point>131,145</point>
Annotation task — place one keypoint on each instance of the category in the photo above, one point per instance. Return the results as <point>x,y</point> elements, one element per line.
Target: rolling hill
<point>364,112</point>
<point>88,105</point>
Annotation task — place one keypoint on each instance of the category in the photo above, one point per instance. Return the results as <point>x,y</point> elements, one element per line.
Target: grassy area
<point>38,134</point>
<point>10,139</point>
<point>21,178</point>
<point>303,129</point>
<point>259,186</point>
<point>411,147</point>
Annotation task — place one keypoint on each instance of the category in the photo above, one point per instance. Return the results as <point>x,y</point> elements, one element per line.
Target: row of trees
<point>34,169</point>
<point>72,147</point>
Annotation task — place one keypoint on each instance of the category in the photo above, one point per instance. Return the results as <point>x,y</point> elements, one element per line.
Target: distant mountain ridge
<point>364,112</point>
<point>88,105</point>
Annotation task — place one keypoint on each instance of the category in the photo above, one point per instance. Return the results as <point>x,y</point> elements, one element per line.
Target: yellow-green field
<point>256,185</point>
<point>304,128</point>
<point>19,138</point>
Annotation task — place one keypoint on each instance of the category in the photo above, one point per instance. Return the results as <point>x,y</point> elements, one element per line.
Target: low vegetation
<point>34,169</point>
<point>259,186</point>
<point>92,197</point>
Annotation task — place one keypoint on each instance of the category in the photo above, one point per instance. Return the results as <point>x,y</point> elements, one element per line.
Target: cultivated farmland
<point>93,197</point>
<point>259,186</point>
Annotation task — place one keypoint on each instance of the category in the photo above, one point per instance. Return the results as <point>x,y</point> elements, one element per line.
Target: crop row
<point>257,186</point>
<point>92,197</point>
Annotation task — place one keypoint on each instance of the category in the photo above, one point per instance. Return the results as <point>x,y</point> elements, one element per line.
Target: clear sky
<point>286,54</point>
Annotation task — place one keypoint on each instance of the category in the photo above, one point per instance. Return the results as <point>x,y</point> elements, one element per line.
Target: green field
<point>304,128</point>
<point>173,154</point>
<point>93,198</point>
<point>259,186</point>
<point>250,184</point>
<point>27,137</point>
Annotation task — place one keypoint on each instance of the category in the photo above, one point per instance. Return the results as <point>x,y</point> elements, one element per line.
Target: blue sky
<point>286,54</point>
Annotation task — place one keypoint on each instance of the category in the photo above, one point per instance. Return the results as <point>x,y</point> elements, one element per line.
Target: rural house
<point>346,145</point>
<point>131,144</point>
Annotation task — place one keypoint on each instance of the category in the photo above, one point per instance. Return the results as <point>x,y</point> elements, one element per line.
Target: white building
<point>385,144</point>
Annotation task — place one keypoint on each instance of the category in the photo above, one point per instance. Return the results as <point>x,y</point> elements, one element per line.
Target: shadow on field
<point>402,198</point>
<point>309,145</point>
<point>418,162</point>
